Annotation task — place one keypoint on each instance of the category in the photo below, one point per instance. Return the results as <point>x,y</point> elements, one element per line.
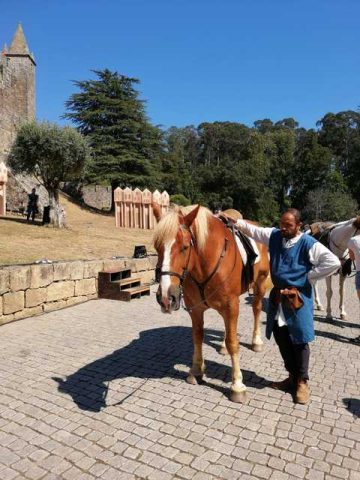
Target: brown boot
<point>284,385</point>
<point>302,394</point>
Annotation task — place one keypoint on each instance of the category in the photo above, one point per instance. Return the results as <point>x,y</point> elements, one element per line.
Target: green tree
<point>53,154</point>
<point>125,146</point>
<point>341,133</point>
<point>312,166</point>
<point>325,204</point>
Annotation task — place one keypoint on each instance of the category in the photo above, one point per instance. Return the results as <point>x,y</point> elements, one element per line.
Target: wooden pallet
<point>118,284</point>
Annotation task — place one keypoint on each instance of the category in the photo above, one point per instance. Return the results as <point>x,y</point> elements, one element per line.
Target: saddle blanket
<point>242,250</point>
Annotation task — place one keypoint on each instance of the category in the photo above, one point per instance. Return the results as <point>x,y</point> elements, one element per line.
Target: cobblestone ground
<point>98,391</point>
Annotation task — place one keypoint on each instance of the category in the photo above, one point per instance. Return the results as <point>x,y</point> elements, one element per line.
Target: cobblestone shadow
<point>153,355</point>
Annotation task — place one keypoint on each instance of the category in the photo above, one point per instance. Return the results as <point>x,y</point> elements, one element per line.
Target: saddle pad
<point>242,251</point>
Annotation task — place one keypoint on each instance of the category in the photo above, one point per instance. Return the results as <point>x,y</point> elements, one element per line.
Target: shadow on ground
<point>153,355</point>
<point>353,405</point>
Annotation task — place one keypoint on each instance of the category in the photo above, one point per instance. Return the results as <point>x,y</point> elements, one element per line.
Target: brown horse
<point>199,260</point>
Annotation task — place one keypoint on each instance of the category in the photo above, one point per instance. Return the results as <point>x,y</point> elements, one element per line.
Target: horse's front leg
<point>198,367</point>
<point>317,302</point>
<point>259,293</point>
<point>238,389</point>
<point>343,314</point>
<point>328,298</point>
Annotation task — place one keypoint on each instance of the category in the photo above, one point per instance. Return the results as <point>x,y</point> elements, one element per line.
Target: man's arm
<point>259,234</point>
<point>324,262</point>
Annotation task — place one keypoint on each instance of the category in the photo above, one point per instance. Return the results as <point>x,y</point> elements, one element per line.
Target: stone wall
<point>27,290</point>
<point>94,196</point>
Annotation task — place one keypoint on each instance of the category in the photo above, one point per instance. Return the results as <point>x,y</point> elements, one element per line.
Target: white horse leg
<point>317,302</point>
<point>223,349</point>
<point>328,297</point>
<point>341,295</point>
<point>259,293</point>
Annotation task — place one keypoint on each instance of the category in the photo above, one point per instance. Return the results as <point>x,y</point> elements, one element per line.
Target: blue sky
<point>198,60</point>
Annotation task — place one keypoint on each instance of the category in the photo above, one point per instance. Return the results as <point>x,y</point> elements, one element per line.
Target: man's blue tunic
<point>289,268</point>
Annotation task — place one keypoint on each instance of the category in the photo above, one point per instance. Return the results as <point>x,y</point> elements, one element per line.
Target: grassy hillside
<point>88,236</point>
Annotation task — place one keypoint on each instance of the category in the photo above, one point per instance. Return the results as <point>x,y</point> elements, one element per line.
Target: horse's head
<point>174,242</point>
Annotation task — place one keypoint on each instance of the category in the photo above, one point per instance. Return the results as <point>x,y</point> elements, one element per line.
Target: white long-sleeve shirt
<point>324,262</point>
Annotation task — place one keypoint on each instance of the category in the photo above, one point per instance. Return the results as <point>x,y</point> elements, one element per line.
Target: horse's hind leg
<point>343,314</point>
<point>238,389</point>
<point>198,367</point>
<point>259,293</point>
<point>317,301</point>
<point>328,298</point>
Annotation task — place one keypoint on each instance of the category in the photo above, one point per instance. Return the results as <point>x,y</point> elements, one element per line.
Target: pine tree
<point>125,145</point>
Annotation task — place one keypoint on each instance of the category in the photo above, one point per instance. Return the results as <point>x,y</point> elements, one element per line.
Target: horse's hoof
<point>329,317</point>
<point>256,347</point>
<point>194,379</point>
<point>320,308</point>
<point>343,316</point>
<point>223,351</point>
<point>239,397</point>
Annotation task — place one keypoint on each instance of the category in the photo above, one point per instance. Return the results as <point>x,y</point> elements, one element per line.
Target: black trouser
<point>31,212</point>
<point>296,356</point>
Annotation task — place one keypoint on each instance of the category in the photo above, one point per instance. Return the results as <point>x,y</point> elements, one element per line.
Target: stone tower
<point>17,89</point>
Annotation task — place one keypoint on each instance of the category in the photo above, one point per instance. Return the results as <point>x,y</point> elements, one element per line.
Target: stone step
<point>134,292</point>
<point>128,282</point>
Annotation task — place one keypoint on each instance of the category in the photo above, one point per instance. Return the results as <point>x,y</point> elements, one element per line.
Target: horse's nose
<point>174,297</point>
<point>163,301</point>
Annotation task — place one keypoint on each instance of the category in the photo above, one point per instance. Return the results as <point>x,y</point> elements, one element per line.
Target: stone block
<point>77,270</point>
<point>20,278</point>
<point>62,271</point>
<point>140,264</point>
<point>92,268</point>
<point>4,281</point>
<point>60,290</point>
<point>6,319</point>
<point>41,275</point>
<point>86,286</point>
<point>35,296</point>
<point>49,307</point>
<point>28,312</point>
<point>113,264</point>
<point>148,276</point>
<point>75,300</point>
<point>13,302</point>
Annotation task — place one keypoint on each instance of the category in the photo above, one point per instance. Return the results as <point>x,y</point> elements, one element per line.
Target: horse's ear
<point>157,211</point>
<point>190,217</point>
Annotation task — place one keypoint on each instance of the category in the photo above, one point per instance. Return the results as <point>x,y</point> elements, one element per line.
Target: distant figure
<point>32,207</point>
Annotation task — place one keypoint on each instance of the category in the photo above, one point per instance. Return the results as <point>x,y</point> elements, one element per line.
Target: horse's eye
<point>184,248</point>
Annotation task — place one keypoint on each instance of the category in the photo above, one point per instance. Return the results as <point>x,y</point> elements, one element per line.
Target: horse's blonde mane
<point>168,226</point>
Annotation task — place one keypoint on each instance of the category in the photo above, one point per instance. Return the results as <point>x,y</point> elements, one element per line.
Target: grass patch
<point>88,236</point>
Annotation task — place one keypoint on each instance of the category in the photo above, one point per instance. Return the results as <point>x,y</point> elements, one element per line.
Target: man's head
<point>33,190</point>
<point>290,223</point>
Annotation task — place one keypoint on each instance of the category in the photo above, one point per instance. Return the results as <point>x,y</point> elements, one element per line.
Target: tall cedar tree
<point>125,146</point>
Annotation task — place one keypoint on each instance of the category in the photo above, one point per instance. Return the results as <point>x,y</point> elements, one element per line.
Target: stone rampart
<point>27,290</point>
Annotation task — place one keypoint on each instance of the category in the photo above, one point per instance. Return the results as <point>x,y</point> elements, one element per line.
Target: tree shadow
<point>21,220</point>
<point>151,356</point>
<point>336,322</point>
<point>353,405</point>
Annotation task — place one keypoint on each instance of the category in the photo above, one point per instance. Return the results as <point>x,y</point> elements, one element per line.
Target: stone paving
<point>97,391</point>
